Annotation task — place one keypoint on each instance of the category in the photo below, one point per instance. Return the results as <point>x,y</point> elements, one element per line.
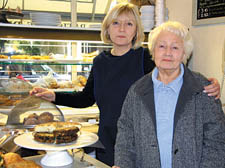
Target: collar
<point>173,85</point>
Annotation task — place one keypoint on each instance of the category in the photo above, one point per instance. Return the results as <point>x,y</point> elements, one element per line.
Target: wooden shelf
<point>50,32</point>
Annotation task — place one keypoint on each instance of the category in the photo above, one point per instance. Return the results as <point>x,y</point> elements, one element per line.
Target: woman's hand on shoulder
<point>44,93</point>
<point>213,89</point>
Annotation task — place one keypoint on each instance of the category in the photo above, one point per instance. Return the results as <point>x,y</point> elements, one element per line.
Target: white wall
<point>209,41</point>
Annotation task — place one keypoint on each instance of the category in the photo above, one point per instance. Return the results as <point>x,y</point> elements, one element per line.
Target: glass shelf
<point>3,92</point>
<point>43,62</point>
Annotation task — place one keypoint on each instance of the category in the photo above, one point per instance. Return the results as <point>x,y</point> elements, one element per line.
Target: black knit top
<point>86,97</point>
<point>107,86</point>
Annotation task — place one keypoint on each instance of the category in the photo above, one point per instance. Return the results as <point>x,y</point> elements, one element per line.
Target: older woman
<point>167,120</point>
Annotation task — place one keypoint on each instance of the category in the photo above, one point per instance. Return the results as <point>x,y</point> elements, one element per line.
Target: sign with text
<point>208,12</point>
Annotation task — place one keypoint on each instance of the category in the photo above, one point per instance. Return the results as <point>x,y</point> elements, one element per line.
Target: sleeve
<point>82,99</point>
<point>124,148</point>
<point>213,149</point>
<point>149,64</point>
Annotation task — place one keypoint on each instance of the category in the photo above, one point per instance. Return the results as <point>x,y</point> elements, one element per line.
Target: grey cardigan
<point>199,127</point>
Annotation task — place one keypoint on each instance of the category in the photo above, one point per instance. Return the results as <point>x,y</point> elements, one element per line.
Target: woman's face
<point>122,30</point>
<point>168,51</point>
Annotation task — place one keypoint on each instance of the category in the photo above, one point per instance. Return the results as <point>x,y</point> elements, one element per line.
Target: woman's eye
<point>161,46</point>
<point>130,24</point>
<point>115,23</point>
<point>175,48</point>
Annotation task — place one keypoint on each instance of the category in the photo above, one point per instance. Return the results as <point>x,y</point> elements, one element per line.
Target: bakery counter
<point>81,160</point>
<point>90,114</point>
<point>93,110</point>
<point>87,117</point>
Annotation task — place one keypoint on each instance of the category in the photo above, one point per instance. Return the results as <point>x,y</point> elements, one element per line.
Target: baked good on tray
<point>34,119</point>
<point>56,132</point>
<point>3,57</point>
<point>14,160</point>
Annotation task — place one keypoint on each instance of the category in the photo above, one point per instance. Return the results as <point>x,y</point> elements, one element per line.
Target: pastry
<point>35,57</point>
<point>10,158</point>
<point>3,57</point>
<point>82,80</point>
<point>88,57</point>
<point>45,117</point>
<point>34,115</point>
<point>53,85</point>
<point>6,100</point>
<point>31,121</point>
<point>14,160</point>
<point>24,164</point>
<point>34,119</point>
<point>19,57</point>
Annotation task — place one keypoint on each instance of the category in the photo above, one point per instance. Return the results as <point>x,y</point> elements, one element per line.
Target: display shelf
<point>48,32</point>
<point>44,62</point>
<point>51,32</point>
<point>4,92</point>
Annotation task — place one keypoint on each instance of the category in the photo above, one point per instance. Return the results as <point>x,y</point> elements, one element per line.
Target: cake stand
<point>56,154</point>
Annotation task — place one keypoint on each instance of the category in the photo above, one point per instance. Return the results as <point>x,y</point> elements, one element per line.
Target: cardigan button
<point>175,152</point>
<point>154,146</point>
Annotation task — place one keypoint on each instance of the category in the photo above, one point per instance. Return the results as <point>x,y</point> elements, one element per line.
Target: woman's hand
<point>115,167</point>
<point>43,93</point>
<point>213,89</point>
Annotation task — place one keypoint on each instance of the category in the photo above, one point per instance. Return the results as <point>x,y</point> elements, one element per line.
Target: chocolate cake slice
<point>56,132</point>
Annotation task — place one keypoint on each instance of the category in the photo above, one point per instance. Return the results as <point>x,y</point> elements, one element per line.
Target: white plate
<point>26,140</point>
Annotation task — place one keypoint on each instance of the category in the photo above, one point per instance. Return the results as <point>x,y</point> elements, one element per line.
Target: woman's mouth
<point>167,60</point>
<point>121,36</point>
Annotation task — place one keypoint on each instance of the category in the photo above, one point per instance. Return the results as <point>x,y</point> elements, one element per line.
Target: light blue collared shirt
<point>165,104</point>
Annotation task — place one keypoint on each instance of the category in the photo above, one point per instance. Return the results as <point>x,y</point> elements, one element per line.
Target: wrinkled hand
<point>44,93</point>
<point>115,167</point>
<point>213,89</point>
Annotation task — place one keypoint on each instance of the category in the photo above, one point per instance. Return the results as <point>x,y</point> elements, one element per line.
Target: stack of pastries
<point>56,132</point>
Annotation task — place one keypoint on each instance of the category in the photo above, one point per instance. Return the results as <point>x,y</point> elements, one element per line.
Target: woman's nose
<point>168,51</point>
<point>122,27</point>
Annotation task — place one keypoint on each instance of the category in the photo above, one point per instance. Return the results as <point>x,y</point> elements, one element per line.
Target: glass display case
<point>61,65</point>
<point>46,54</point>
<point>54,60</point>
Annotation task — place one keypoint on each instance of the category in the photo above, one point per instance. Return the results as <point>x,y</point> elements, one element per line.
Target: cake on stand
<point>56,154</point>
